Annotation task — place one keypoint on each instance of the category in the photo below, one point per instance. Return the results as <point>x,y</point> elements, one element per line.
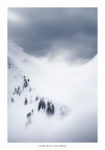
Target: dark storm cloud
<point>41,31</point>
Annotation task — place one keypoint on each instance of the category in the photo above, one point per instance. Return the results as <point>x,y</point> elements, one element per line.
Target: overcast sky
<point>54,31</point>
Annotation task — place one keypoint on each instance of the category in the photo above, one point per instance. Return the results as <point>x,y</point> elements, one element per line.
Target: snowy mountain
<point>50,101</point>
<point>22,91</point>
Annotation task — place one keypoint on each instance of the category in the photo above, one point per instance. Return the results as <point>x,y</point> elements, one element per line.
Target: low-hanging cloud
<point>51,31</point>
<point>73,86</point>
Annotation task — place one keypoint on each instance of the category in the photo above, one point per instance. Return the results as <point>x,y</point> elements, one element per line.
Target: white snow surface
<point>70,87</point>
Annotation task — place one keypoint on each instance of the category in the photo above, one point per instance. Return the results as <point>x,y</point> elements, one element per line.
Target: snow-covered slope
<point>71,89</point>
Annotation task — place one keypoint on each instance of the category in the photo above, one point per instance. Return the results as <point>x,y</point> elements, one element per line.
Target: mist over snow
<point>52,74</point>
<point>70,86</point>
